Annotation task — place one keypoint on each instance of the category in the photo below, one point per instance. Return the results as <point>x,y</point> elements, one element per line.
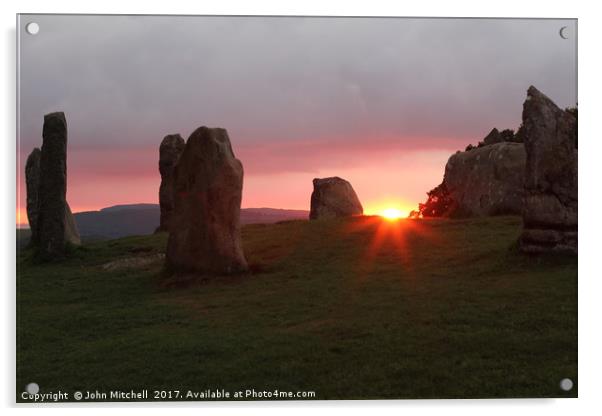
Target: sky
<point>381,102</point>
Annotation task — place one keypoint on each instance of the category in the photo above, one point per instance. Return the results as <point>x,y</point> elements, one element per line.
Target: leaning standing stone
<point>204,235</point>
<point>32,183</point>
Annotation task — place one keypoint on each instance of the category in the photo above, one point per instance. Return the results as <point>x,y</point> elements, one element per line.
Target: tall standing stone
<point>550,207</point>
<point>204,234</point>
<point>333,197</point>
<point>32,183</point>
<point>170,151</point>
<point>53,218</point>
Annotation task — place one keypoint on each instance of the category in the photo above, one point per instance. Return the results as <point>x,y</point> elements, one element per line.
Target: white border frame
<point>590,286</point>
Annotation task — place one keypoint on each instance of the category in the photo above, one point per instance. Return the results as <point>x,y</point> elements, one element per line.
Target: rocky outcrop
<point>169,153</point>
<point>550,207</point>
<point>334,197</point>
<point>55,223</point>
<point>495,136</point>
<point>487,180</point>
<point>204,234</point>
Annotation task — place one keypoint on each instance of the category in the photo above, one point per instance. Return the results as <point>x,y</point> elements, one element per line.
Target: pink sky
<point>278,176</point>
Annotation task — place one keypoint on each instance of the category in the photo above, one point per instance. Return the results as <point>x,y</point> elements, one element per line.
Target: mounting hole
<point>566,384</point>
<point>32,388</point>
<point>32,28</point>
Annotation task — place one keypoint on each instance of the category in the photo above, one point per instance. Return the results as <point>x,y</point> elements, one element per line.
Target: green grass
<point>351,309</point>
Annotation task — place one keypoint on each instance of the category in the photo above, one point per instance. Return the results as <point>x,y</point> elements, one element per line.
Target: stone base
<point>539,241</point>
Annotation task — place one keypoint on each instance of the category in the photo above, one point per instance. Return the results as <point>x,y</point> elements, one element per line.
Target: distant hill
<point>118,221</point>
<point>140,219</point>
<point>128,207</point>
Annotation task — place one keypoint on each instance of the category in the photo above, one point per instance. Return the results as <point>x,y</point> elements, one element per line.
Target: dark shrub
<point>438,203</point>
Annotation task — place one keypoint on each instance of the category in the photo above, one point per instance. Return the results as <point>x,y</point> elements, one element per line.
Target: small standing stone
<point>334,197</point>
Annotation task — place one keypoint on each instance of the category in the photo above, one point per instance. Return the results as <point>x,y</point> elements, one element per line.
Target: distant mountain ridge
<point>140,219</point>
<point>128,207</point>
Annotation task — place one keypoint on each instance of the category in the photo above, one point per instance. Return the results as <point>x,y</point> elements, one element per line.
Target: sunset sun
<point>392,214</point>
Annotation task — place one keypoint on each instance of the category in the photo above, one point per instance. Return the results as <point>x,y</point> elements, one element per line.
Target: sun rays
<point>389,240</point>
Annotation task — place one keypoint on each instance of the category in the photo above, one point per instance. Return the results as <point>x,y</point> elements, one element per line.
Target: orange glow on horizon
<point>22,218</point>
<point>394,179</point>
<point>393,214</point>
<point>391,210</point>
<point>23,221</point>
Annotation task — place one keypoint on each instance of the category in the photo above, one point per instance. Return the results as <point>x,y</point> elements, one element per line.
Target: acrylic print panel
<point>296,208</point>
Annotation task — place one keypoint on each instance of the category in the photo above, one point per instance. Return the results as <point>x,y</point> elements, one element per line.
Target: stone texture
<point>204,235</point>
<point>487,180</point>
<point>55,223</point>
<point>550,206</point>
<point>170,150</point>
<point>333,197</point>
<point>32,183</point>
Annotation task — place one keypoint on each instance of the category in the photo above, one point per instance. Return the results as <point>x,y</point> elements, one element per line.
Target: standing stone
<point>550,207</point>
<point>32,183</point>
<point>169,152</point>
<point>204,234</point>
<point>334,197</point>
<point>55,222</point>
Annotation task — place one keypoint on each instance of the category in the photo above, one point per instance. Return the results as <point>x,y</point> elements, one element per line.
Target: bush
<point>438,203</point>
<point>508,135</point>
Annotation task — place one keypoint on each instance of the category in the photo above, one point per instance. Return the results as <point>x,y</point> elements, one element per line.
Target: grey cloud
<point>127,81</point>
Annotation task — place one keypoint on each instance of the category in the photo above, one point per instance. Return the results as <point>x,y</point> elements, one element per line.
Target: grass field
<point>356,308</point>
